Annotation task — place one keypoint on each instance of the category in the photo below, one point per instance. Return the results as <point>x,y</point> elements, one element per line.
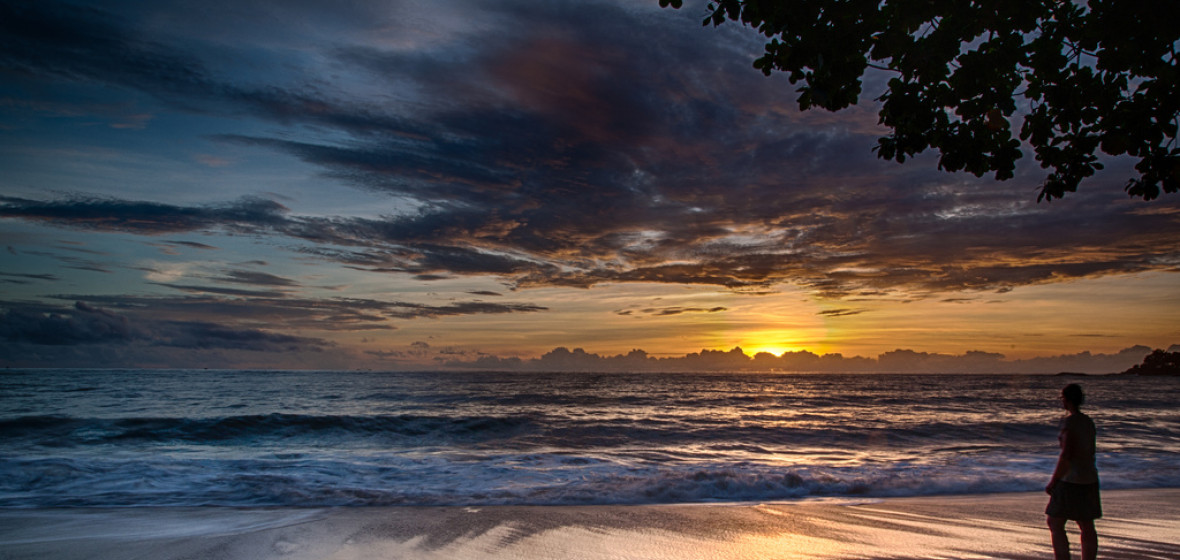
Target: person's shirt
<point>1077,439</point>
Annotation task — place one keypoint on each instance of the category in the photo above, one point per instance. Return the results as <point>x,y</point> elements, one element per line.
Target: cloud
<point>255,278</point>
<point>22,278</point>
<point>404,310</point>
<point>93,45</point>
<point>171,247</point>
<point>88,265</point>
<point>347,314</point>
<point>224,291</point>
<point>148,218</point>
<point>843,312</point>
<point>670,311</point>
<point>896,361</point>
<point>417,351</point>
<point>83,324</point>
<point>128,330</point>
<point>194,334</point>
<point>909,361</point>
<point>578,149</point>
<point>192,244</point>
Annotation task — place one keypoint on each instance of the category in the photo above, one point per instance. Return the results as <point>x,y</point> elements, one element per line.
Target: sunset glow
<point>481,184</point>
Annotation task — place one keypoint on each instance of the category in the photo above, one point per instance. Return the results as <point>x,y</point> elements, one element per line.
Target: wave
<point>388,481</point>
<point>519,431</point>
<point>65,430</point>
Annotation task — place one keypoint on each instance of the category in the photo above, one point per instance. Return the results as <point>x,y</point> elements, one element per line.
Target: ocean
<point>85,438</point>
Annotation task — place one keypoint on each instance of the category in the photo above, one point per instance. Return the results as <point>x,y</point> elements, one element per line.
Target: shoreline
<point>1138,524</point>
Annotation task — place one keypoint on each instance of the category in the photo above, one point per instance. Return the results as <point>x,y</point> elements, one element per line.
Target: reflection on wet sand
<point>1140,524</point>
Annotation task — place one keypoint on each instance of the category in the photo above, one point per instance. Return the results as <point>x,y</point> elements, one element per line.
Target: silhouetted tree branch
<point>1159,362</point>
<point>1101,76</point>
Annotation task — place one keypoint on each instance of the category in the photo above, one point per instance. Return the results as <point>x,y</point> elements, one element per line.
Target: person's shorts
<point>1074,501</point>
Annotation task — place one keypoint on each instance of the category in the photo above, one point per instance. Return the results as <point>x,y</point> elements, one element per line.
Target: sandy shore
<point>1138,524</point>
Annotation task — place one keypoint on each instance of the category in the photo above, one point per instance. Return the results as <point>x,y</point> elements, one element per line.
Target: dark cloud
<point>87,324</point>
<point>392,354</point>
<point>72,262</point>
<point>89,266</point>
<point>843,312</point>
<point>295,312</point>
<point>46,277</point>
<point>125,329</point>
<point>581,148</point>
<point>149,218</point>
<point>73,247</point>
<point>416,351</point>
<point>86,43</point>
<point>90,44</point>
<point>81,324</point>
<point>224,291</point>
<point>611,199</point>
<point>670,311</point>
<point>211,322</point>
<point>464,260</point>
<point>905,255</point>
<point>88,336</point>
<point>192,244</point>
<point>409,311</point>
<point>191,334</point>
<point>255,278</point>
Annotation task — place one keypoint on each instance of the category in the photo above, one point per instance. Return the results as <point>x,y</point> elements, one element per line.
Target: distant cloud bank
<point>896,361</point>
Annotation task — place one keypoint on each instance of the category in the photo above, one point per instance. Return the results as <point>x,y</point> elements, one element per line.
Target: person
<point>1073,490</point>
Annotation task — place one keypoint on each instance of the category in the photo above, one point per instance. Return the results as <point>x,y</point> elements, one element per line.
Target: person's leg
<point>1089,539</point>
<point>1060,539</point>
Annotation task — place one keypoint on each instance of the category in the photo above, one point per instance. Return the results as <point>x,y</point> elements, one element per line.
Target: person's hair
<point>1073,393</point>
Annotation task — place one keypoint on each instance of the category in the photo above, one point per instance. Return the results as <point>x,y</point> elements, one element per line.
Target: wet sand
<point>1139,524</point>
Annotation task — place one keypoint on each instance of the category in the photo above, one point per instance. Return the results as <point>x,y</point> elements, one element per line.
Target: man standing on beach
<point>1073,490</point>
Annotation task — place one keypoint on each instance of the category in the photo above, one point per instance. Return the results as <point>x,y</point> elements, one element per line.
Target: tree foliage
<point>1159,362</point>
<point>1082,78</point>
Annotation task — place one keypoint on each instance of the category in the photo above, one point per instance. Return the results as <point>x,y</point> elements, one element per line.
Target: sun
<point>787,322</point>
<point>775,343</point>
<point>777,350</point>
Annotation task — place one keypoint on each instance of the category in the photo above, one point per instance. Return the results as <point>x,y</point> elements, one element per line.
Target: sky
<point>517,184</point>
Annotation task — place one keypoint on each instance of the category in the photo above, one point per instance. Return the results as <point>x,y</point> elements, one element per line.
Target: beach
<point>188,464</point>
<point>1138,524</point>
